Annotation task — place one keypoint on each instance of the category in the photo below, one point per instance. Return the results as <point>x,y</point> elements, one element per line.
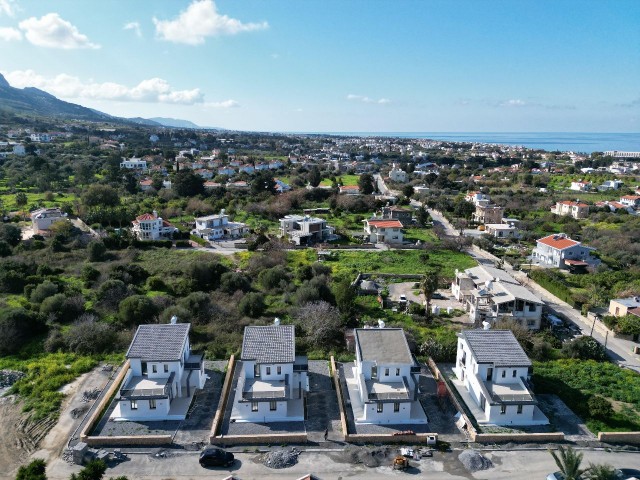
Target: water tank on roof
<point>276,321</point>
<point>486,325</point>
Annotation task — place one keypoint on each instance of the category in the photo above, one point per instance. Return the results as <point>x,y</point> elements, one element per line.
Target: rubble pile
<point>474,461</point>
<point>370,457</point>
<point>9,377</point>
<point>90,395</point>
<point>280,458</point>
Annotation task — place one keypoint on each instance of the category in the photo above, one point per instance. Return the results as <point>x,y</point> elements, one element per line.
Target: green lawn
<point>423,234</point>
<point>344,180</point>
<point>8,200</point>
<point>399,261</point>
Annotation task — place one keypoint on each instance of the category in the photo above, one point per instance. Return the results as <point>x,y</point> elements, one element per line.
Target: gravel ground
<point>322,404</point>
<point>279,458</point>
<point>369,457</point>
<point>474,461</point>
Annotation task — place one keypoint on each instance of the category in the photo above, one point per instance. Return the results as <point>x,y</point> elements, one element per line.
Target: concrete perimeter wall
<point>619,437</point>
<point>138,440</point>
<point>222,403</point>
<point>336,383</point>
<point>277,439</point>
<point>102,404</point>
<point>518,437</point>
<point>383,438</point>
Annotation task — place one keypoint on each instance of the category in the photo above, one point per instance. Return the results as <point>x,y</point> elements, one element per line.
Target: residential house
<point>611,185</point>
<point>490,294</point>
<point>580,186</point>
<point>560,251</point>
<point>43,218</point>
<point>281,187</point>
<point>134,164</point>
<point>145,184</point>
<point>397,174</point>
<point>273,381</point>
<point>478,198</point>
<point>210,185</point>
<point>239,185</point>
<point>420,189</point>
<point>615,206</point>
<point>632,201</point>
<point>149,226</point>
<point>349,190</point>
<point>620,307</point>
<point>226,171</point>
<point>502,230</point>
<point>575,209</point>
<point>405,215</point>
<point>305,230</point>
<point>40,137</point>
<point>488,214</point>
<point>383,231</point>
<point>246,169</point>
<point>19,150</point>
<point>493,373</point>
<point>382,383</point>
<point>215,227</point>
<point>163,374</point>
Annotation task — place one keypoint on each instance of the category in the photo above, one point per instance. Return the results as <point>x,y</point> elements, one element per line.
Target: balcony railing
<point>194,362</point>
<point>145,392</point>
<point>404,394</point>
<point>250,395</point>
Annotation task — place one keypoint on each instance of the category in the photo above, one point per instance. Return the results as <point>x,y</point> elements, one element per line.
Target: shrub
<point>96,251</point>
<point>252,304</point>
<point>90,337</point>
<point>585,348</point>
<point>18,326</point>
<point>628,325</point>
<point>43,291</point>
<point>36,470</point>
<point>599,407</point>
<point>231,282</point>
<point>274,278</point>
<point>156,283</point>
<point>89,274</point>
<point>137,309</point>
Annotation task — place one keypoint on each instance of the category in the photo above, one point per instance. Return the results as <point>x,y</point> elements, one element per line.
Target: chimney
<point>276,322</point>
<point>380,323</point>
<point>155,214</point>
<point>174,320</point>
<point>486,325</point>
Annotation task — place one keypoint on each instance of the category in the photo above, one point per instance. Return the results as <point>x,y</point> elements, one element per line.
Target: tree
<point>314,177</point>
<point>94,470</point>
<point>18,326</point>
<point>429,285</point>
<point>252,304</point>
<point>568,462</point>
<point>599,407</point>
<point>137,309</point>
<point>585,348</point>
<point>21,199</point>
<point>42,291</point>
<point>5,249</point>
<point>322,323</point>
<point>89,337</point>
<point>186,183</point>
<point>10,234</point>
<point>263,182</point>
<point>407,191</point>
<point>101,196</point>
<point>601,472</point>
<point>36,470</point>
<point>422,216</point>
<point>365,183</point>
<point>345,294</point>
<point>96,250</point>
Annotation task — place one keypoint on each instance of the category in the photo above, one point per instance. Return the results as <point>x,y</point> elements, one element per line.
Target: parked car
<point>216,457</point>
<point>403,298</point>
<point>438,296</point>
<point>621,474</point>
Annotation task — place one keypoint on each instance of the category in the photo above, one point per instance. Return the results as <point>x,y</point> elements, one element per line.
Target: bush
<point>628,325</point>
<point>96,251</point>
<point>36,470</point>
<point>599,407</point>
<point>156,283</point>
<point>89,274</point>
<point>585,348</point>
<point>18,326</point>
<point>90,337</point>
<point>252,304</point>
<point>137,309</point>
<point>43,291</point>
<point>231,282</point>
<point>274,278</point>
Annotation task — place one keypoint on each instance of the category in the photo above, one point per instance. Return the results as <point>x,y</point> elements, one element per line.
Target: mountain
<point>174,122</point>
<point>33,101</point>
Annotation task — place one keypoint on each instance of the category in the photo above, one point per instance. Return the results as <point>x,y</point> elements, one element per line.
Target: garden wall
<point>338,386</point>
<point>222,404</point>
<point>619,437</point>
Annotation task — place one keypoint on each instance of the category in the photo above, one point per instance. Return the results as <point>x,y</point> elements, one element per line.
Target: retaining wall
<point>222,403</point>
<point>141,440</point>
<point>518,437</point>
<point>274,439</point>
<point>384,438</point>
<point>103,403</point>
<point>619,437</point>
<point>338,386</point>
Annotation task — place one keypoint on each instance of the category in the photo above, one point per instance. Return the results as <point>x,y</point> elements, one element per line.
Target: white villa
<point>502,230</point>
<point>163,374</point>
<point>560,251</point>
<point>273,380</point>
<point>492,373</point>
<point>149,226</point>
<point>490,294</point>
<point>134,164</point>
<point>305,230</point>
<point>42,219</point>
<point>382,383</point>
<point>397,174</point>
<point>214,227</point>
<point>383,231</point>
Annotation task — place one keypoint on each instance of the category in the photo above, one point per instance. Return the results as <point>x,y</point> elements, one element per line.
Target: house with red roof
<point>558,250</point>
<point>149,226</point>
<point>631,201</point>
<point>350,190</point>
<point>383,230</point>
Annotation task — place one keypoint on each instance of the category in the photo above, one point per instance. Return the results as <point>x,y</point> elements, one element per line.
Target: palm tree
<point>601,472</point>
<point>568,461</point>
<point>429,285</point>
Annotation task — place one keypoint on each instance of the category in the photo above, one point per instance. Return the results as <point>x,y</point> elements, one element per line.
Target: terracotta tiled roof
<point>145,216</point>
<point>573,204</point>
<point>385,223</point>
<point>631,197</point>
<point>558,241</point>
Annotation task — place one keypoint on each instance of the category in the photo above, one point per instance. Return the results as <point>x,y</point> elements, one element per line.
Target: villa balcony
<point>194,362</point>
<point>255,389</point>
<point>379,391</point>
<point>142,387</point>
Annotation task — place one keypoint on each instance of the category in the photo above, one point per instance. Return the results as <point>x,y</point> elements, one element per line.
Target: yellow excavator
<point>400,463</point>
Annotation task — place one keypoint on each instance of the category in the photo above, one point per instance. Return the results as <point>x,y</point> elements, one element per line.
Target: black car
<point>216,457</point>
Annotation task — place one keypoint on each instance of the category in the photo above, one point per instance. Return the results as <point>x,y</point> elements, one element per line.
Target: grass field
<point>344,180</point>
<point>8,200</point>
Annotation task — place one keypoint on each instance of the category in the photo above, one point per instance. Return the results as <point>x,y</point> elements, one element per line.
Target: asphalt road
<point>508,465</point>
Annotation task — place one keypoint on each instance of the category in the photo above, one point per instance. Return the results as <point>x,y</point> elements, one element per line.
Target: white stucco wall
<point>388,415</point>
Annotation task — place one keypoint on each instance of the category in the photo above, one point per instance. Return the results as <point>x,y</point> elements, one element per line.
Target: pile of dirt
<point>279,458</point>
<point>9,377</point>
<point>370,457</point>
<point>474,461</point>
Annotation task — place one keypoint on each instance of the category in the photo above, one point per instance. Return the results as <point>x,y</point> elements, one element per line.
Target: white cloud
<point>153,90</point>
<point>516,102</point>
<point>224,104</point>
<point>199,21</point>
<point>135,26</point>
<point>7,7</point>
<point>364,99</point>
<point>51,31</point>
<point>9,34</point>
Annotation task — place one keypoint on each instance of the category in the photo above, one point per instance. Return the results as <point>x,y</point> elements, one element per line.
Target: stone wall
<point>103,403</point>
<point>518,437</point>
<point>274,439</point>
<point>338,386</point>
<point>224,395</point>
<point>384,438</point>
<point>619,437</point>
<point>138,440</point>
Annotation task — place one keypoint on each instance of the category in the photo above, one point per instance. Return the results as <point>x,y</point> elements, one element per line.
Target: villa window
<point>273,406</point>
<point>166,368</point>
<point>503,409</point>
<point>504,373</point>
<point>152,404</point>
<point>519,411</point>
<point>380,408</point>
<point>396,407</point>
<point>514,373</point>
<point>397,372</point>
<point>532,307</point>
<point>279,370</point>
<point>386,372</point>
<point>154,368</point>
<point>134,404</point>
<point>254,406</point>
<point>489,374</point>
<point>268,372</point>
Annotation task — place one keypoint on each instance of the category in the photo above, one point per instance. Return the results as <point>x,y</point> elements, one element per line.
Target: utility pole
<point>593,326</point>
<point>605,340</point>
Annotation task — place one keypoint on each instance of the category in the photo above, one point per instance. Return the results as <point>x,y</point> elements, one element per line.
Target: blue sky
<point>335,65</point>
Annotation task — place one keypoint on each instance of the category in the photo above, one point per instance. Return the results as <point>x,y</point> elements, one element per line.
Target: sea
<point>563,142</point>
